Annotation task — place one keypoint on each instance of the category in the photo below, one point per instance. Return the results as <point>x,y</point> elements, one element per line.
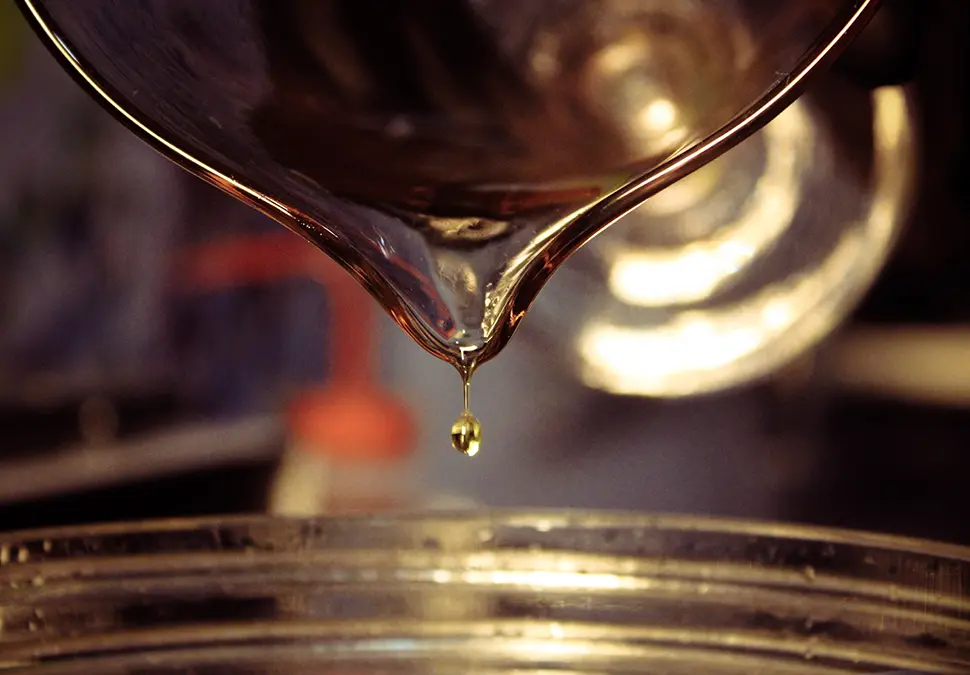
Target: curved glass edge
<point>584,224</point>
<point>760,596</point>
<point>543,521</point>
<point>72,63</point>
<point>616,204</point>
<point>587,222</point>
<point>826,49</point>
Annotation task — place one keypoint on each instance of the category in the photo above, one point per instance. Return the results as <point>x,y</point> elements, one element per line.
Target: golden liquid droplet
<point>466,434</point>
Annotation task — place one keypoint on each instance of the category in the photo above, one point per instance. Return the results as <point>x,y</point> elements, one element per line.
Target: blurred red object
<point>350,417</point>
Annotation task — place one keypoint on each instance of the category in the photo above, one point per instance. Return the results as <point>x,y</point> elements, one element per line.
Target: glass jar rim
<point>543,520</point>
<point>498,589</point>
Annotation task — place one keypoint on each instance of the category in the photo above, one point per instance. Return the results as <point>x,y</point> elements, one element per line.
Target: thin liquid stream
<point>466,432</point>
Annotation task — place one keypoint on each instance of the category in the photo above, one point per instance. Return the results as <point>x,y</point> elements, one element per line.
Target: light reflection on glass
<point>655,277</point>
<point>706,348</point>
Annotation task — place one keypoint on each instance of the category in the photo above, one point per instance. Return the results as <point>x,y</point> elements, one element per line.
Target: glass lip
<point>621,571</point>
<point>544,521</point>
<point>584,224</point>
<point>827,46</point>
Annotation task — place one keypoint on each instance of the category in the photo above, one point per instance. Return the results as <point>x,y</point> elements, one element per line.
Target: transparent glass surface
<point>536,593</point>
<point>449,155</point>
<point>742,266</point>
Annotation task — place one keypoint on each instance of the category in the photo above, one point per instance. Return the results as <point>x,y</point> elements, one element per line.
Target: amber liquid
<point>466,432</point>
<point>450,155</point>
<point>445,170</point>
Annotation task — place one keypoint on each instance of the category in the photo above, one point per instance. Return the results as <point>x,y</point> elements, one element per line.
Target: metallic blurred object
<point>922,365</point>
<point>731,273</point>
<point>171,451</point>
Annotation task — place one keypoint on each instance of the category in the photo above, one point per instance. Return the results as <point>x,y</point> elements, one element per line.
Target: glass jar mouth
<point>501,591</point>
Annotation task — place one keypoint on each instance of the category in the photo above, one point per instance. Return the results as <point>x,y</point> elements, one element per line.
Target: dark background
<point>105,360</point>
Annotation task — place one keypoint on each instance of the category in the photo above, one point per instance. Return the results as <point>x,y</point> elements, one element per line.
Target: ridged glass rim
<point>542,520</point>
<point>589,586</point>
